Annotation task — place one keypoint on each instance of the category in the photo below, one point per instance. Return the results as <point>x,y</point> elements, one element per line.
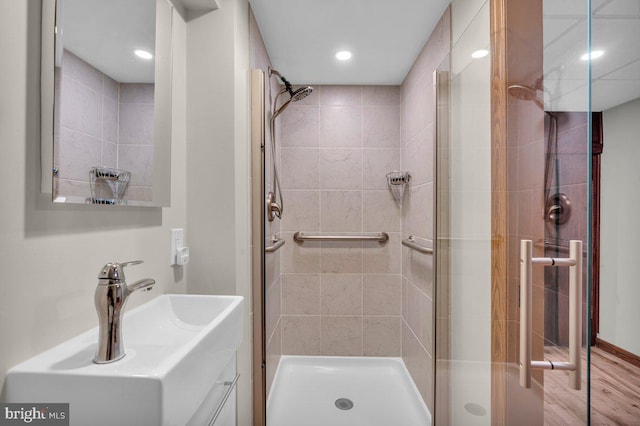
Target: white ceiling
<point>105,33</point>
<point>615,75</point>
<point>302,37</point>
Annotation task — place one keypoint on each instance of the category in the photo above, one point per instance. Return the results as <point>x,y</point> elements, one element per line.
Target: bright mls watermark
<point>34,414</point>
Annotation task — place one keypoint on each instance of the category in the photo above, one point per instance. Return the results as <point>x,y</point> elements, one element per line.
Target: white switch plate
<point>177,241</point>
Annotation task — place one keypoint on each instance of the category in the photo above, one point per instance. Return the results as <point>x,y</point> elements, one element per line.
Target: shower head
<point>525,93</point>
<point>294,95</point>
<point>301,93</point>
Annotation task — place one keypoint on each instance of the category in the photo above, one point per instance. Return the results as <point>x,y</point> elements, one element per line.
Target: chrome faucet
<point>110,297</point>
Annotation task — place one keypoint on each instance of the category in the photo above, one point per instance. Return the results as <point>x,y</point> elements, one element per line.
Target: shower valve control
<point>179,253</point>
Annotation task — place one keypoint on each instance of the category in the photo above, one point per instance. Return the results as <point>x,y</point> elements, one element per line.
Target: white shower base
<point>306,388</point>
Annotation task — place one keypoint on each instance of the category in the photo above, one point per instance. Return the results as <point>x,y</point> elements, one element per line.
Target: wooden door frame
<point>597,145</point>
<point>258,367</point>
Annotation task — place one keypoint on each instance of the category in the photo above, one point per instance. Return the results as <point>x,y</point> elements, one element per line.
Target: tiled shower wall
<point>417,215</point>
<point>345,298</point>
<point>100,122</point>
<point>341,298</point>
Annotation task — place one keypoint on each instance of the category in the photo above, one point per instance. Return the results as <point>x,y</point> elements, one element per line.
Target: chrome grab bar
<point>381,237</point>
<point>574,262</point>
<point>411,243</point>
<point>232,385</point>
<point>277,243</point>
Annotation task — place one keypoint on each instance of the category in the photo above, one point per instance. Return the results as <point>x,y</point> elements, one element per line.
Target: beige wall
<point>51,254</point>
<point>218,166</point>
<point>619,290</point>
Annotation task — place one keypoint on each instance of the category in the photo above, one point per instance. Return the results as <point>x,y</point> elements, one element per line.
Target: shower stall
<point>489,142</point>
<point>334,260</point>
<point>346,249</point>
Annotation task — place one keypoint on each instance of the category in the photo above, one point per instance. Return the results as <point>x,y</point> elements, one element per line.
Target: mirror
<point>106,72</point>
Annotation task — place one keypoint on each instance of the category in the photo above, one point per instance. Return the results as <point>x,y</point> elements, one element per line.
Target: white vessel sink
<point>176,347</point>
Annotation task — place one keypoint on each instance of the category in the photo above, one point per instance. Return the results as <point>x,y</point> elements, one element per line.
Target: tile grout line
<point>361,222</point>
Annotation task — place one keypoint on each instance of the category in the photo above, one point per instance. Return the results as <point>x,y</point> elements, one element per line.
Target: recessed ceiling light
<point>143,54</point>
<point>594,55</point>
<point>479,53</point>
<point>343,55</point>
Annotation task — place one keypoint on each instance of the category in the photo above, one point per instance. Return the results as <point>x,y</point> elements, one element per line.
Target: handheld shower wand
<point>275,209</point>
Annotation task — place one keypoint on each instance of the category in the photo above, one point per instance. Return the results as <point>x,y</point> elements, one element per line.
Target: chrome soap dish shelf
<point>108,185</point>
<point>397,182</point>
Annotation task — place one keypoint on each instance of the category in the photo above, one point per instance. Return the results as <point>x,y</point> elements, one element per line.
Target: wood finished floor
<point>615,391</point>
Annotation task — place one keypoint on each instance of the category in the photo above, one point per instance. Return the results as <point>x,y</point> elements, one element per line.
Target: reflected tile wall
<point>95,115</point>
<point>86,121</point>
<point>569,178</point>
<point>337,146</point>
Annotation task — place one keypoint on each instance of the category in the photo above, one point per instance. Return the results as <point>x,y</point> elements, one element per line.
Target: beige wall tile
<point>136,124</point>
<point>109,120</point>
<point>300,126</point>
<point>109,154</point>
<point>341,294</point>
<point>381,294</point>
<point>380,212</point>
<point>377,162</point>
<point>81,109</point>
<point>340,126</point>
<point>420,316</point>
<point>302,210</point>
<point>300,335</point>
<point>418,267</point>
<point>341,168</point>
<point>274,352</point>
<point>77,153</point>
<point>381,95</point>
<point>138,159</point>
<point>342,336</point>
<point>381,127</point>
<point>382,258</point>
<point>418,212</point>
<point>417,157</point>
<point>301,166</point>
<point>272,306</point>
<point>341,211</point>
<point>419,364</point>
<point>301,294</point>
<point>381,336</point>
<point>137,93</point>
<point>341,257</point>
<point>300,258</point>
<point>341,95</point>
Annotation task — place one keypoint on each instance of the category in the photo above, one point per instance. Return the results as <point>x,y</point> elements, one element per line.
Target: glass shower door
<point>514,166</point>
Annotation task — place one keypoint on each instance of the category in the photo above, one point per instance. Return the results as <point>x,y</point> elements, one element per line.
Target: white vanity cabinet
<point>219,406</point>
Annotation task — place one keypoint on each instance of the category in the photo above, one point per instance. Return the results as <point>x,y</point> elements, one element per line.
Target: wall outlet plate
<point>177,242</point>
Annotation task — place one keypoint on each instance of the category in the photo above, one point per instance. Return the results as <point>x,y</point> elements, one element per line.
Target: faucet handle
<point>113,271</point>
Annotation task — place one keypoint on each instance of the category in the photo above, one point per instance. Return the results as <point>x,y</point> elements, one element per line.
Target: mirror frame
<point>161,188</point>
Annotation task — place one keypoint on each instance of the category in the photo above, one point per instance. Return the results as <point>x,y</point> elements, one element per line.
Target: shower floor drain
<point>344,404</point>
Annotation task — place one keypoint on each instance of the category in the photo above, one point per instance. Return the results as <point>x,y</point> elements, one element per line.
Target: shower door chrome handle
<point>574,262</point>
